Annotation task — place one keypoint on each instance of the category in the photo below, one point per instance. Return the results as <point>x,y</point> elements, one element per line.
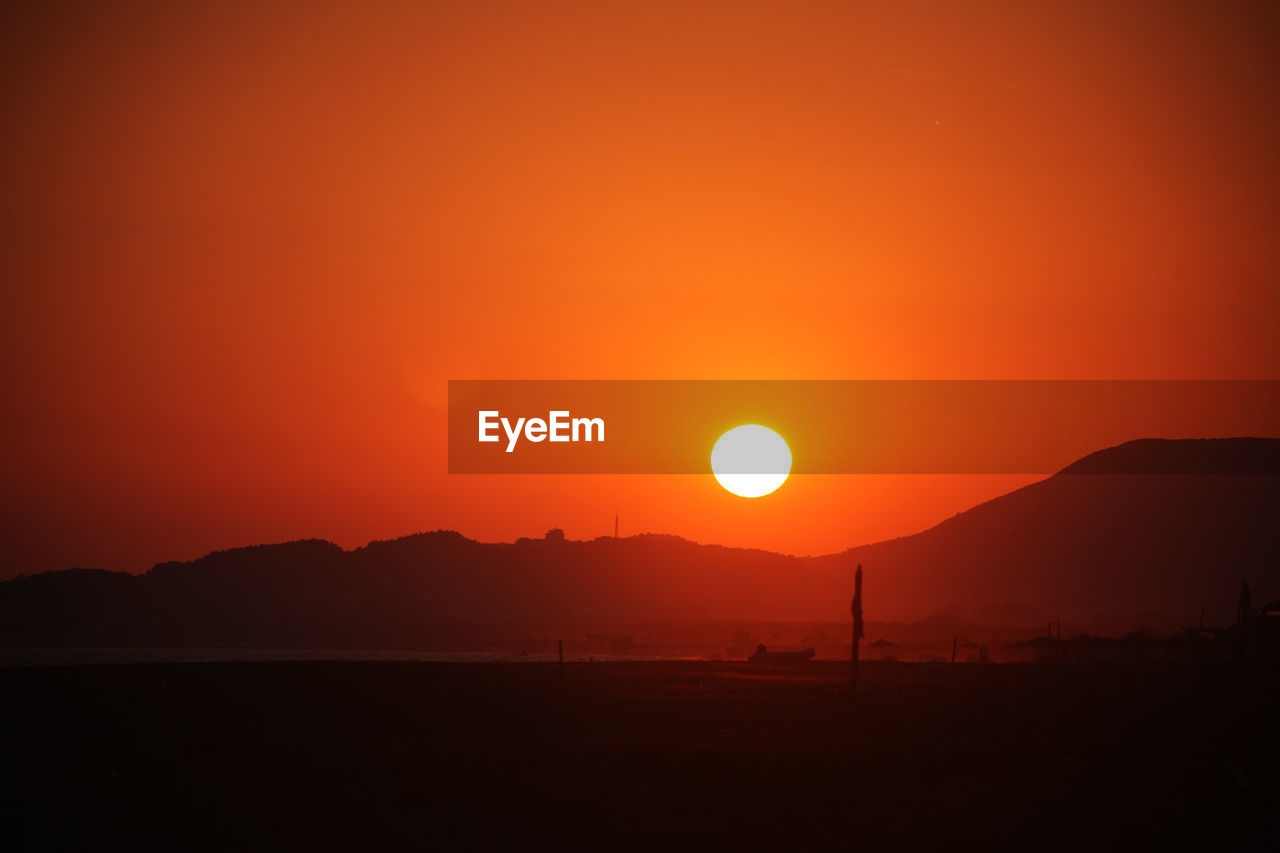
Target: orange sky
<point>245,246</point>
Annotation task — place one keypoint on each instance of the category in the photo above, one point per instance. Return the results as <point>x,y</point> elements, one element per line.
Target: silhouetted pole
<point>954,640</point>
<point>615,525</point>
<point>856,608</point>
<point>560,644</point>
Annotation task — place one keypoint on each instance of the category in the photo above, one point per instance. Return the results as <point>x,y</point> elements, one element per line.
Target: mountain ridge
<point>1102,552</point>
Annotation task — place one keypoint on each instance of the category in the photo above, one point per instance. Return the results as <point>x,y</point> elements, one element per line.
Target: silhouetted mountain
<point>1184,456</point>
<point>1150,531</point>
<point>1101,544</point>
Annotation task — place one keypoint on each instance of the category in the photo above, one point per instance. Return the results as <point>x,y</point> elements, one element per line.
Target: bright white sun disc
<point>751,460</point>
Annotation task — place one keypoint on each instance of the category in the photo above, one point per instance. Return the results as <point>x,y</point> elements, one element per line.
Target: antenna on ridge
<point>856,608</point>
<point>615,525</point>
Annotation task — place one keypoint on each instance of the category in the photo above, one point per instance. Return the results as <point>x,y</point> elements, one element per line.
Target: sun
<point>751,460</point>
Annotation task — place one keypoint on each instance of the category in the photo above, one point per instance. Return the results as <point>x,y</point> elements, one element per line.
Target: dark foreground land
<point>636,755</point>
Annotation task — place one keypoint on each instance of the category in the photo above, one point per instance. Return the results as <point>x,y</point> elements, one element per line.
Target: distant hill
<point>1147,532</point>
<point>1184,456</point>
<point>1151,531</point>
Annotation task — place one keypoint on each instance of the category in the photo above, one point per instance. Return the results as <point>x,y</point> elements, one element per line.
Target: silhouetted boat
<point>763,655</point>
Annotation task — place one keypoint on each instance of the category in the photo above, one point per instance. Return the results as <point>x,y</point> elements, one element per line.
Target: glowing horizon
<point>248,246</point>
